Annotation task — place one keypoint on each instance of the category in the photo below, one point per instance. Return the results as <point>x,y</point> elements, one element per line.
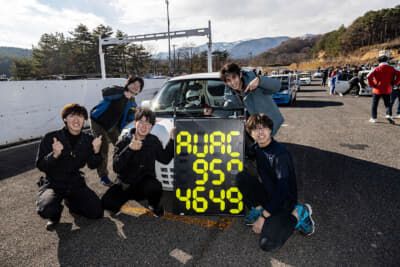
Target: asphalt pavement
<point>347,168</point>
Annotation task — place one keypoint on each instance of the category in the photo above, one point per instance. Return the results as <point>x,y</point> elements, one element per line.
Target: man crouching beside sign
<point>272,197</point>
<point>134,162</point>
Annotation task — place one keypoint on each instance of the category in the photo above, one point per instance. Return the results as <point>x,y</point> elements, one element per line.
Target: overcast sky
<point>22,22</point>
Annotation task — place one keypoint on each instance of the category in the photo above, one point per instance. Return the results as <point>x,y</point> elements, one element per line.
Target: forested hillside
<point>6,57</point>
<point>292,50</point>
<point>374,27</point>
<point>371,31</point>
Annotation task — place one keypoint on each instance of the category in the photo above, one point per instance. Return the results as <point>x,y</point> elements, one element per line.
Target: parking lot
<point>347,168</point>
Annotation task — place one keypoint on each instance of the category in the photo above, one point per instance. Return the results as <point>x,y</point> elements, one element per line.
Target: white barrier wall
<point>29,109</point>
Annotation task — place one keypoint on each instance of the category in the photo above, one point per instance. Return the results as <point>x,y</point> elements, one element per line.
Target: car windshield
<point>190,95</point>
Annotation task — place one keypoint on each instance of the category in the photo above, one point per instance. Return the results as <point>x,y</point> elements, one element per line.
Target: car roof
<point>204,75</point>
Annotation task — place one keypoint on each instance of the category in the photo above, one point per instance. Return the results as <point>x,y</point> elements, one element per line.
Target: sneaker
<point>253,215</point>
<point>340,94</point>
<point>158,211</point>
<point>397,116</point>
<point>51,225</point>
<point>390,119</point>
<point>106,181</point>
<point>306,224</point>
<point>373,120</point>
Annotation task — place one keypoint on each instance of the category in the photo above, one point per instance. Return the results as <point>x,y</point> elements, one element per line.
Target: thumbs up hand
<point>135,144</point>
<point>57,147</point>
<point>97,144</point>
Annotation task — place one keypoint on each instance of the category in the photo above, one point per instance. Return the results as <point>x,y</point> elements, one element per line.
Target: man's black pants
<point>148,188</point>
<point>279,226</point>
<point>81,200</point>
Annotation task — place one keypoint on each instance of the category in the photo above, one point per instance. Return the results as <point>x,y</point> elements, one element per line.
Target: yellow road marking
<point>222,224</point>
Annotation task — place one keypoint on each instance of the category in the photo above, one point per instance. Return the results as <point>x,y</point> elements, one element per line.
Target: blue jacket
<point>114,109</point>
<point>257,101</point>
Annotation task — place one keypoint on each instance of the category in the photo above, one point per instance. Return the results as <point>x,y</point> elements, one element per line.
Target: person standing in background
<point>111,115</point>
<point>382,79</point>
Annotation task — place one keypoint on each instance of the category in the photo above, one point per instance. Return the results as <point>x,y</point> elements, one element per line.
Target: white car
<point>343,84</point>
<point>305,78</point>
<point>317,75</point>
<point>209,90</point>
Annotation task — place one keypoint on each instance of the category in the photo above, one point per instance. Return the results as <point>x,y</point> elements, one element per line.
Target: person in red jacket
<point>381,79</point>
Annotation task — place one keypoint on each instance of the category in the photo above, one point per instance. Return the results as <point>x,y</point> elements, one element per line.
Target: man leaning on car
<point>245,89</point>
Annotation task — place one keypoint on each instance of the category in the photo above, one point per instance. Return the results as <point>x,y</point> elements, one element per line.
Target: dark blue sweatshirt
<point>276,169</point>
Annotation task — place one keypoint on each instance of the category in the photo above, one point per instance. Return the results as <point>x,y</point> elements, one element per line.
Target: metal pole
<point>169,42</point>
<point>101,54</point>
<point>174,45</point>
<point>209,48</point>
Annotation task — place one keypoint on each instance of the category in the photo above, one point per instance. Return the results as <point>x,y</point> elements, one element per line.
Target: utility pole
<point>169,42</point>
<point>174,45</point>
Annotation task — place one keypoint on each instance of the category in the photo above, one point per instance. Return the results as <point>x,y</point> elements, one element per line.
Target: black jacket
<point>276,169</point>
<point>64,172</point>
<point>132,166</point>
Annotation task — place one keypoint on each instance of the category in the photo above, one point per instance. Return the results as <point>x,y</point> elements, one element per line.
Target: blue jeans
<point>395,94</point>
<point>375,101</point>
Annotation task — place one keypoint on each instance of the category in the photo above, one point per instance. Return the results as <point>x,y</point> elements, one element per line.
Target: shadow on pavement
<point>311,90</point>
<point>356,206</point>
<point>316,104</point>
<point>13,163</point>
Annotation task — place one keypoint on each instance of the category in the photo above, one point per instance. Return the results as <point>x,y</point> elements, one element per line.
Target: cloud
<point>236,20</point>
<point>23,22</point>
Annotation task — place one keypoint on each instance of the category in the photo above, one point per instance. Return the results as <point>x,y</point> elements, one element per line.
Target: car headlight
<point>285,92</point>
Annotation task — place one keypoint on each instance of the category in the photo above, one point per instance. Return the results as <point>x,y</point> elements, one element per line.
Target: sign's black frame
<point>218,124</point>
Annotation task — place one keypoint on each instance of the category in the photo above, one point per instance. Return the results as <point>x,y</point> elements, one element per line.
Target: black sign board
<point>209,152</point>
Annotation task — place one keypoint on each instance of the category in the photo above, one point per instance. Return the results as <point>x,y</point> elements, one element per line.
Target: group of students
<point>268,183</point>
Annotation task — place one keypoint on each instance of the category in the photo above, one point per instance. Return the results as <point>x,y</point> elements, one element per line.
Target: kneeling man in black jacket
<point>134,163</point>
<point>61,155</point>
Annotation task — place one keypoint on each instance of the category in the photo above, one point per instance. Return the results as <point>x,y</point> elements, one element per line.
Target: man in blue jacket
<point>245,89</point>
<point>272,195</point>
<point>111,115</point>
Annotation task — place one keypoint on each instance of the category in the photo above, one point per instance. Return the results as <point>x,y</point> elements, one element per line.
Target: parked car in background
<point>183,96</point>
<point>287,92</point>
<point>317,74</point>
<point>347,83</point>
<point>305,78</point>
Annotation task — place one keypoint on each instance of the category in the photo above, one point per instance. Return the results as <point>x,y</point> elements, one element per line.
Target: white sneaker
<point>396,116</point>
<point>340,94</point>
<point>388,117</point>
<point>373,120</point>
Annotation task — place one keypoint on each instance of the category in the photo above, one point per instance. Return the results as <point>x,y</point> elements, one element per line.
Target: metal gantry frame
<point>152,37</point>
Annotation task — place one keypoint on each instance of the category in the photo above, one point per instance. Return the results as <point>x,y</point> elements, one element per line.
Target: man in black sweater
<point>61,155</point>
<point>134,162</point>
<point>272,196</point>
